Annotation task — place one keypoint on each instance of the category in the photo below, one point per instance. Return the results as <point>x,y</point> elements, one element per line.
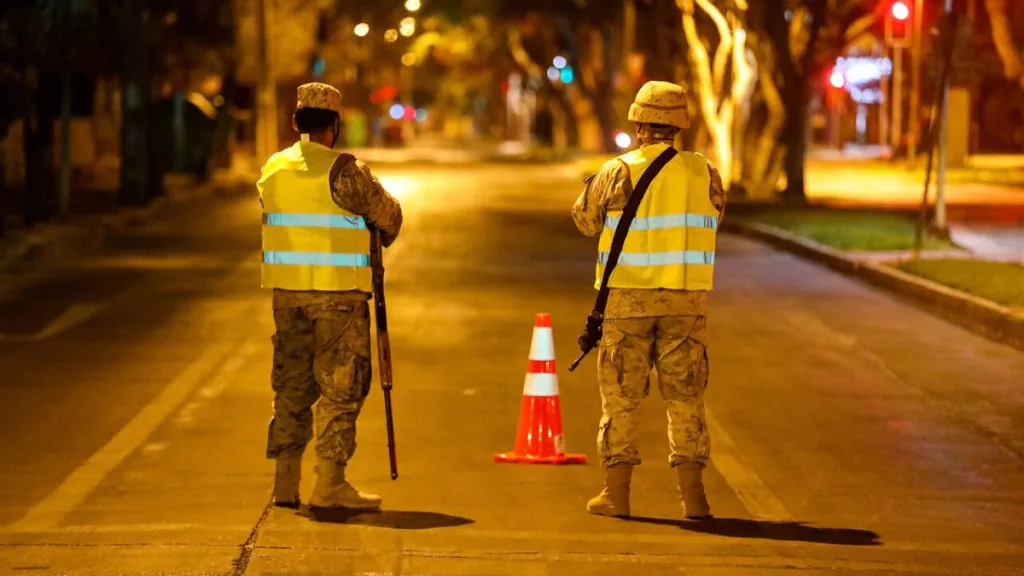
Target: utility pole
<point>915,86</point>
<point>266,87</point>
<point>940,181</point>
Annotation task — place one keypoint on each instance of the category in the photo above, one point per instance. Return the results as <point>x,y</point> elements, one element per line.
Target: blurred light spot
<point>410,113</point>
<point>396,111</point>
<point>319,66</point>
<point>901,11</point>
<point>412,5</point>
<point>567,75</point>
<point>362,29</point>
<point>408,59</point>
<point>218,100</point>
<point>552,73</point>
<point>398,186</point>
<point>421,115</point>
<point>559,62</point>
<point>408,26</point>
<point>623,140</point>
<point>836,79</point>
<point>391,35</point>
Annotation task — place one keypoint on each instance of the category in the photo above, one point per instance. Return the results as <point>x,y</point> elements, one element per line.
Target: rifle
<point>383,341</point>
<point>591,335</point>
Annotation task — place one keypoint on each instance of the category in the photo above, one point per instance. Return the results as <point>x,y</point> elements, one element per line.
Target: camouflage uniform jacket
<point>355,189</point>
<point>609,189</point>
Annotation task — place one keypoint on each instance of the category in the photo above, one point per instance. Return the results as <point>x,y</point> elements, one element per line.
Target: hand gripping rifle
<point>591,335</point>
<point>383,342</point>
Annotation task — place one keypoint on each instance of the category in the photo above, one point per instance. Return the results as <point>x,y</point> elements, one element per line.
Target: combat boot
<point>286,482</point>
<point>614,498</point>
<point>333,491</point>
<point>691,491</point>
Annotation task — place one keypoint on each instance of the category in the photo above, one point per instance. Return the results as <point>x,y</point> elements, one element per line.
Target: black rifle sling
<point>628,214</point>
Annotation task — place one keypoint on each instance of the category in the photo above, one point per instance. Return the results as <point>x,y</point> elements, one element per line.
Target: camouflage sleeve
<point>356,189</point>
<point>719,196</point>
<point>589,211</point>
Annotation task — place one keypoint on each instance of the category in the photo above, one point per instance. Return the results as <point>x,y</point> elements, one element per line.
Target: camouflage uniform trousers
<point>321,351</point>
<point>630,347</point>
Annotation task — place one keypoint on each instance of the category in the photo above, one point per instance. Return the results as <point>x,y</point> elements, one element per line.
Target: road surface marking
<point>224,376</point>
<point>758,499</point>
<point>80,483</point>
<point>75,314</point>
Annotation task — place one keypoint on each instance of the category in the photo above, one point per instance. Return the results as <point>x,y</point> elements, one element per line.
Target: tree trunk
<point>135,97</point>
<point>795,138</point>
<point>65,142</point>
<point>571,124</point>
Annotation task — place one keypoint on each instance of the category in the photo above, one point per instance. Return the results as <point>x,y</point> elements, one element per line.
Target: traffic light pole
<point>897,98</point>
<point>940,182</point>
<point>915,86</point>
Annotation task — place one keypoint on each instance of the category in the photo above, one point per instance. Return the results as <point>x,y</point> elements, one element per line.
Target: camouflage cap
<point>660,103</point>
<point>318,95</point>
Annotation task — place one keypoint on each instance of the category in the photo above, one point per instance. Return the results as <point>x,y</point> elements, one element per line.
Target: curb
<point>981,316</point>
<point>50,243</point>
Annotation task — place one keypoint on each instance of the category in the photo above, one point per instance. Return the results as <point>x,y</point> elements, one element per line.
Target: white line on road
<point>75,314</point>
<point>77,486</point>
<point>758,499</point>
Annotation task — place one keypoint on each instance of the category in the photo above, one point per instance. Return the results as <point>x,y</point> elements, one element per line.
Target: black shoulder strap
<point>628,214</point>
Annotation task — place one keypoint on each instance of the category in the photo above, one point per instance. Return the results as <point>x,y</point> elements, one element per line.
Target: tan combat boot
<point>286,482</point>
<point>332,491</point>
<point>614,499</point>
<point>691,491</point>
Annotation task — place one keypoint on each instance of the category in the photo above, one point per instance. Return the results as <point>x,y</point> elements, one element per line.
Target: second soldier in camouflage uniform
<point>652,328</point>
<point>321,310</point>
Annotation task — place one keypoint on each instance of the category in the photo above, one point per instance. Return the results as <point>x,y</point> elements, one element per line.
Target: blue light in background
<point>567,75</point>
<point>396,111</point>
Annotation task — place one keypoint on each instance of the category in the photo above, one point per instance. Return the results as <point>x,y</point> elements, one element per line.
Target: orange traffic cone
<point>539,439</point>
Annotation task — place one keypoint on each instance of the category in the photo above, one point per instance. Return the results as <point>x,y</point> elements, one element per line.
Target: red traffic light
<point>900,10</point>
<point>897,24</point>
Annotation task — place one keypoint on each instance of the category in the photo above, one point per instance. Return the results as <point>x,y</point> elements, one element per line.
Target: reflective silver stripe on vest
<point>660,258</point>
<point>315,258</point>
<point>315,220</point>
<point>669,221</point>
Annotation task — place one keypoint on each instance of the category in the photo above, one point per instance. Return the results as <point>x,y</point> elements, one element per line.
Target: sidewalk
<point>27,251</point>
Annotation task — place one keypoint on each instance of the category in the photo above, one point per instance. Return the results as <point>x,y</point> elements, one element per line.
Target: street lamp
<point>362,29</point>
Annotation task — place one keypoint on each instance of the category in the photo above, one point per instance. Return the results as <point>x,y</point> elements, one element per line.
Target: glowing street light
<point>362,29</point>
<point>412,5</point>
<point>623,140</point>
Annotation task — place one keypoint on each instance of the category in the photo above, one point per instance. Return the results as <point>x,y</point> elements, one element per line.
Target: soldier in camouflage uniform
<point>652,327</point>
<point>322,344</point>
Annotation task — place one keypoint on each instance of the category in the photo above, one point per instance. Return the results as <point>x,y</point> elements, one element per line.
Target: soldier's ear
<point>295,125</point>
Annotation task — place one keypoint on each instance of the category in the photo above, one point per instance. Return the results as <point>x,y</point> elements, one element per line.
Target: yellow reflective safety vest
<point>309,243</point>
<point>671,242</point>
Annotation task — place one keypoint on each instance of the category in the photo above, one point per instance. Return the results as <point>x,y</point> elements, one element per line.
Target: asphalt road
<point>851,433</point>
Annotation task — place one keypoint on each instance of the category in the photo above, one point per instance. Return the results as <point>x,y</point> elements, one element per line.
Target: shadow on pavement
<point>399,520</point>
<point>765,530</point>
